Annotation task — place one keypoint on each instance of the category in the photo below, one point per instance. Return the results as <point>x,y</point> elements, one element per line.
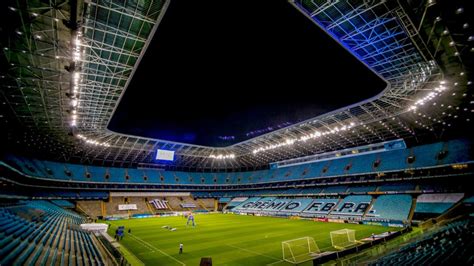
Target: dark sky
<point>219,72</point>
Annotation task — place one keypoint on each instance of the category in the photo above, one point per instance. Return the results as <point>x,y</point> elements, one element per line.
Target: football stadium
<point>267,132</point>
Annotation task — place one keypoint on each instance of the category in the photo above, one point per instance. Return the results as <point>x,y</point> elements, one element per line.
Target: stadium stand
<point>432,205</point>
<point>350,189</point>
<point>458,151</point>
<point>38,232</point>
<point>390,207</point>
<point>452,244</point>
<point>63,203</point>
<point>93,208</point>
<point>397,187</point>
<point>362,189</point>
<point>334,190</point>
<point>386,207</point>
<point>403,157</point>
<point>352,206</point>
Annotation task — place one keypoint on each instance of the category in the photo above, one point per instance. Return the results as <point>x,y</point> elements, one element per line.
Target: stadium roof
<point>218,84</point>
<point>66,64</point>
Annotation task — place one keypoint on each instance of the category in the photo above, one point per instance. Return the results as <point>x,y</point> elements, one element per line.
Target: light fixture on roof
<point>459,10</point>
<point>222,156</point>
<point>91,141</point>
<point>304,138</point>
<point>76,56</point>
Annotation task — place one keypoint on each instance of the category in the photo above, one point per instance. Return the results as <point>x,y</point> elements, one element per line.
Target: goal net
<point>343,238</point>
<point>299,250</point>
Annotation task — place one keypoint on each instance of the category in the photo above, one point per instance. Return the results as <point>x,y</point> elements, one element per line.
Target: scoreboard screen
<point>165,155</point>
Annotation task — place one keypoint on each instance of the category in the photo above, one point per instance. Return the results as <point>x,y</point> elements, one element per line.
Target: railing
<point>115,257</point>
<point>107,257</point>
<point>371,254</point>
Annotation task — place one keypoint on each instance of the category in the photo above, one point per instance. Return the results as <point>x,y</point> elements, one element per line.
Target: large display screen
<point>165,155</point>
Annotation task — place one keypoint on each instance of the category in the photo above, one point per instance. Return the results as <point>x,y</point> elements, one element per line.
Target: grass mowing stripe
<point>156,249</point>
<point>130,257</point>
<point>251,251</point>
<point>229,239</point>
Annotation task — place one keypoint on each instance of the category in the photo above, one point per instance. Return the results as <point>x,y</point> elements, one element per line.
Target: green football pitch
<point>227,238</point>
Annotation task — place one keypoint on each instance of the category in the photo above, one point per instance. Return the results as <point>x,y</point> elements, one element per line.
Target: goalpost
<point>343,238</point>
<point>299,250</point>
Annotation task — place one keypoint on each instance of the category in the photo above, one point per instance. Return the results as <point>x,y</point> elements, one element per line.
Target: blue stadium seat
<point>334,189</point>
<point>362,189</point>
<point>391,207</point>
<point>448,245</point>
<point>458,151</point>
<point>397,187</point>
<point>352,206</point>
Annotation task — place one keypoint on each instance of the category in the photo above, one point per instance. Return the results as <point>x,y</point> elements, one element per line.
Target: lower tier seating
<point>41,233</point>
<point>449,245</point>
<point>385,207</point>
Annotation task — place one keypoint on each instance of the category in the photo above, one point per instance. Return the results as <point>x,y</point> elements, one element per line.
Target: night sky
<point>213,72</point>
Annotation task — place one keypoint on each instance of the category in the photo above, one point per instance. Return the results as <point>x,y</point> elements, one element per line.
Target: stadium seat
<point>390,207</point>
<point>447,245</point>
<point>36,242</point>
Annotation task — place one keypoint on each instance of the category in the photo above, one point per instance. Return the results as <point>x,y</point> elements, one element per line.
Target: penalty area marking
<point>251,251</point>
<point>149,246</point>
<point>275,262</point>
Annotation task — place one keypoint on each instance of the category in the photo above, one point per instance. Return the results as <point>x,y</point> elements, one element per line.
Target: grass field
<point>229,239</point>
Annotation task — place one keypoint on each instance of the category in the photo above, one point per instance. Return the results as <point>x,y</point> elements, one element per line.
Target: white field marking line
<point>327,248</point>
<point>321,249</point>
<point>146,252</point>
<point>148,245</point>
<point>278,261</point>
<point>251,251</point>
<point>151,250</point>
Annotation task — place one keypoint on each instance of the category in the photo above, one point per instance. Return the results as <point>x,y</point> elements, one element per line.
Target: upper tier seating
<point>397,187</point>
<point>455,151</point>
